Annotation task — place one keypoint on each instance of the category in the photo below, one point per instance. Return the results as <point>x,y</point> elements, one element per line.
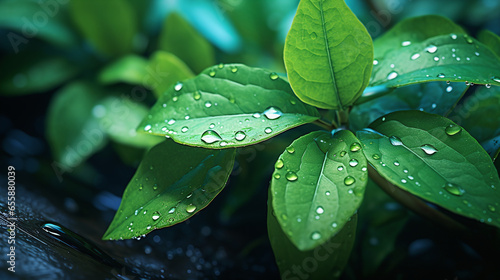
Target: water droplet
<point>449,88</point>
<point>334,225</point>
<point>212,73</point>
<point>410,177</point>
<point>178,86</point>
<point>487,85</point>
<point>343,153</point>
<point>428,149</point>
<point>320,210</point>
<point>279,164</point>
<point>431,49</point>
<point>364,168</point>
<point>375,157</point>
<point>441,75</point>
<point>392,66</point>
<point>491,208</point>
<point>223,143</point>
<point>175,98</point>
<point>274,76</point>
<point>234,69</point>
<point>184,129</point>
<point>314,36</point>
<point>208,104</point>
<point>147,127</point>
<point>375,62</point>
<point>156,215</point>
<point>256,115</point>
<point>240,135</point>
<point>272,113</point>
<point>395,141</point>
<point>268,130</point>
<point>476,53</point>
<point>452,129</point>
<point>315,235</point>
<point>290,149</point>
<point>155,187</point>
<point>468,39</point>
<point>327,193</point>
<point>403,181</point>
<point>392,75</point>
<point>405,43</point>
<point>349,180</point>
<point>190,208</point>
<point>210,137</point>
<point>291,176</point>
<point>293,102</point>
<point>496,79</point>
<point>396,163</point>
<point>355,147</point>
<point>277,176</point>
<point>212,125</point>
<point>197,95</point>
<point>436,59</point>
<point>221,66</point>
<point>453,36</point>
<point>353,162</point>
<point>415,56</point>
<point>453,189</point>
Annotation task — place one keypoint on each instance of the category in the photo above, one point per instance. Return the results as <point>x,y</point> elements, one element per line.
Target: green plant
<point>422,64</point>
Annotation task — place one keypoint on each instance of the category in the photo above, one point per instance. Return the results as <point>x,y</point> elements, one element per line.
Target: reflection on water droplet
<point>340,168</point>
<point>277,176</point>
<point>375,156</point>
<point>172,210</point>
<point>349,180</point>
<point>314,36</point>
<point>279,164</point>
<point>403,181</point>
<point>171,121</point>
<point>415,56</point>
<point>272,113</point>
<point>392,75</point>
<point>375,62</point>
<point>208,104</point>
<point>268,130</point>
<point>353,162</point>
<point>453,189</point>
<point>211,73</point>
<point>431,49</point>
<point>491,208</point>
<point>449,88</point>
<point>196,95</point>
<point>487,85</point>
<point>452,129</point>
<point>428,149</point>
<point>147,127</point>
<point>273,76</point>
<point>441,75</point>
<point>496,79</point>
<point>334,225</point>
<point>290,149</point>
<point>291,176</point>
<point>355,147</point>
<point>315,235</point>
<point>210,137</point>
<point>468,39</point>
<point>156,216</point>
<point>256,115</point>
<point>240,136</point>
<point>234,69</point>
<point>395,141</point>
<point>405,43</point>
<point>190,208</point>
<point>320,210</point>
<point>436,58</point>
<point>343,153</point>
<point>184,129</point>
<point>453,36</point>
<point>178,87</point>
<point>223,143</point>
<point>327,193</point>
<point>396,163</point>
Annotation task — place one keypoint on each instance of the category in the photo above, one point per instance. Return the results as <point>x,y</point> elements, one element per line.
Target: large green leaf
<point>32,74</point>
<point>328,54</point>
<point>432,48</point>
<point>325,261</point>
<point>433,97</point>
<point>119,118</point>
<point>491,40</point>
<point>73,132</point>
<point>317,185</point>
<point>228,106</point>
<point>163,192</point>
<point>164,70</point>
<point>44,20</point>
<point>110,25</point>
<point>129,69</point>
<point>181,39</point>
<point>435,159</point>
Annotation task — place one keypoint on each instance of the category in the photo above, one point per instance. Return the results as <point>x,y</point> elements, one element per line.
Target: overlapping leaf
<point>129,69</point>
<point>164,70</point>
<point>432,48</point>
<point>328,54</point>
<point>163,193</point>
<point>317,185</point>
<point>433,158</point>
<point>227,106</point>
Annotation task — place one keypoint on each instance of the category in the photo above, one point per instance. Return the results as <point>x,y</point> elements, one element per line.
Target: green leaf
<point>431,48</point>
<point>492,147</point>
<point>74,134</point>
<point>119,118</point>
<point>491,40</point>
<point>433,97</point>
<point>181,39</point>
<point>172,183</point>
<point>228,106</point>
<point>164,70</point>
<point>110,26</point>
<point>31,19</point>
<point>129,69</point>
<point>31,74</point>
<point>317,185</point>
<point>325,261</point>
<point>479,114</point>
<point>328,54</point>
<point>434,159</point>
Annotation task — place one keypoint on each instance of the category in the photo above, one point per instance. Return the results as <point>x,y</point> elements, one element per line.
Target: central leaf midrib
<point>327,47</point>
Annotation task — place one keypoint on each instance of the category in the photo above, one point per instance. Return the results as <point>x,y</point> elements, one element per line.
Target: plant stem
<point>325,125</point>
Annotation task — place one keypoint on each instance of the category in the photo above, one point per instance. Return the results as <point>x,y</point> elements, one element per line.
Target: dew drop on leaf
<point>428,149</point>
<point>273,76</point>
<point>208,104</point>
<point>172,210</point>
<point>415,56</point>
<point>315,235</point>
<point>190,208</point>
<point>355,147</point>
<point>349,180</point>
<point>396,163</point>
<point>197,95</point>
<point>452,129</point>
<point>395,141</point>
<point>375,62</point>
<point>375,156</point>
<point>340,168</point>
<point>147,127</point>
<point>156,215</point>
<point>277,176</point>
<point>353,162</point>
<point>212,73</point>
<point>184,129</point>
<point>343,153</point>
<point>234,69</point>
<point>210,137</point>
<point>279,164</point>
<point>449,88</point>
<point>272,113</point>
<point>268,130</point>
<point>496,79</point>
<point>431,49</point>
<point>290,149</point>
<point>405,43</point>
<point>240,136</point>
<point>320,210</point>
<point>491,208</point>
<point>178,86</point>
<point>393,75</point>
<point>441,75</point>
<point>453,189</point>
<point>291,176</point>
<point>256,115</point>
